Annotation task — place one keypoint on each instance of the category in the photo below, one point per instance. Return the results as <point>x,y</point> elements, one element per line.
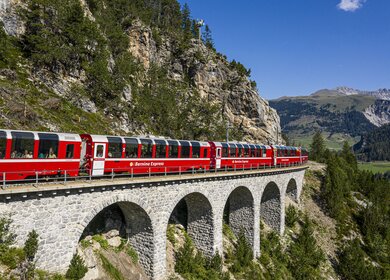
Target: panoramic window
<point>205,151</point>
<point>22,145</point>
<point>264,152</point>
<point>70,151</point>
<point>232,151</point>
<point>173,149</point>
<point>48,145</point>
<point>131,148</point>
<point>160,148</point>
<point>246,152</point>
<point>195,149</point>
<point>114,147</point>
<point>146,148</point>
<point>185,149</point>
<point>225,150</point>
<point>3,143</point>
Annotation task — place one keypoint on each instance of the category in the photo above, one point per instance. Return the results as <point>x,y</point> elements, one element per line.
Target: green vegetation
<point>374,146</point>
<point>114,273</point>
<point>101,240</point>
<point>77,268</point>
<point>375,167</point>
<point>132,253</point>
<point>292,216</point>
<point>31,245</point>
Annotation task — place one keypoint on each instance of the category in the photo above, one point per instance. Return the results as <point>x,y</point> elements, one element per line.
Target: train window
<point>99,151</point>
<point>3,143</point>
<point>185,149</point>
<point>232,150</point>
<point>146,149</point>
<point>131,148</point>
<point>22,144</point>
<point>161,148</point>
<point>264,152</point>
<point>173,149</point>
<point>205,153</point>
<point>69,151</point>
<point>225,151</point>
<point>114,147</point>
<point>195,149</point>
<point>48,145</point>
<point>240,153</point>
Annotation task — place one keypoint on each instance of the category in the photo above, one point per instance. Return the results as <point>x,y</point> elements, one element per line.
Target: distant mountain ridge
<point>342,113</point>
<point>382,93</point>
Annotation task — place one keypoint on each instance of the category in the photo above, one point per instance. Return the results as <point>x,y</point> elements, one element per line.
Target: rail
<point>63,176</point>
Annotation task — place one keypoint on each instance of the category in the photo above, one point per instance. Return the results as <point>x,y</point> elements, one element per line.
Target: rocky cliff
<point>120,83</point>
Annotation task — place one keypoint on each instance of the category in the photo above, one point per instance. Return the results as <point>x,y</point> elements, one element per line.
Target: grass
<point>332,142</point>
<point>110,269</point>
<point>375,166</point>
<point>101,240</point>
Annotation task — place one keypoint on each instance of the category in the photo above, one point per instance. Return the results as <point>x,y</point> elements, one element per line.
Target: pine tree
<point>306,256</point>
<point>31,245</point>
<point>77,268</point>
<point>207,39</point>
<point>195,29</point>
<point>317,147</point>
<point>186,22</point>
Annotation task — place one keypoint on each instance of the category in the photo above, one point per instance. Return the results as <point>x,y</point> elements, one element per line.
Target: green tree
<point>31,245</point>
<point>7,237</point>
<point>207,38</point>
<point>305,255</point>
<point>348,155</point>
<point>243,254</point>
<point>186,23</point>
<point>317,147</point>
<point>77,268</point>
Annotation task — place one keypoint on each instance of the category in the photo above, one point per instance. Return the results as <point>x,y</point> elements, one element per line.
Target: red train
<point>27,154</point>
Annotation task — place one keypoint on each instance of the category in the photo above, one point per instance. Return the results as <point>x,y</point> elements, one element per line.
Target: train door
<point>275,150</point>
<point>218,157</point>
<point>99,159</point>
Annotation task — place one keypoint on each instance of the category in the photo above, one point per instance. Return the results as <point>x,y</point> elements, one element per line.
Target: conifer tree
<point>77,268</point>
<point>317,147</point>
<point>207,39</point>
<point>31,245</point>
<point>186,22</point>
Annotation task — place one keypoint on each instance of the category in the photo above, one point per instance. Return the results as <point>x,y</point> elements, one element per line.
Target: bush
<point>77,268</point>
<point>101,240</point>
<point>291,216</point>
<point>12,257</point>
<point>31,245</point>
<point>243,254</point>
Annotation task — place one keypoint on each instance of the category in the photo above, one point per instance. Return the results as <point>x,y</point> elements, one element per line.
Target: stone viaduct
<point>60,213</point>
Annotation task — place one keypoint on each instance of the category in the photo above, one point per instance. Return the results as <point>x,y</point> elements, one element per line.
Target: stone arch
<point>239,212</point>
<point>292,190</point>
<point>199,220</point>
<point>138,228</point>
<point>270,208</point>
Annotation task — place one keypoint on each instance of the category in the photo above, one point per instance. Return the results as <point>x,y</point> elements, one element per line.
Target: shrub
<point>291,216</point>
<point>31,245</point>
<point>243,254</point>
<point>77,268</point>
<point>171,234</point>
<point>12,257</point>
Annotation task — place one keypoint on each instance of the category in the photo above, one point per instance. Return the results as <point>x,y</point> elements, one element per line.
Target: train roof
<point>61,136</point>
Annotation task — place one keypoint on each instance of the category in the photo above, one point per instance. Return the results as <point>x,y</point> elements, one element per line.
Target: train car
<point>286,155</point>
<point>233,155</point>
<point>136,155</point>
<point>25,154</point>
<point>304,155</point>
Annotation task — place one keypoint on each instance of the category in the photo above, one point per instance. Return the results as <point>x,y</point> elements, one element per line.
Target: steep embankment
<point>120,67</point>
<point>341,114</point>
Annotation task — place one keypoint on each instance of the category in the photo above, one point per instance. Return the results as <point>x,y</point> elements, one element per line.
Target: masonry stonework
<point>60,216</point>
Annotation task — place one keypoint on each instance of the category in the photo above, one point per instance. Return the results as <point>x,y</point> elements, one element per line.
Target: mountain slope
<point>342,114</point>
<point>374,145</point>
<point>123,67</point>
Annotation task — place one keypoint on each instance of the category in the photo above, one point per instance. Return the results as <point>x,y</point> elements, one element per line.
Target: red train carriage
<point>304,155</point>
<point>26,154</point>
<point>286,155</point>
<point>107,154</point>
<point>234,155</point>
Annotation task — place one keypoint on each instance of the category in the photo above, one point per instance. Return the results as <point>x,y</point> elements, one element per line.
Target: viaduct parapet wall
<point>61,215</point>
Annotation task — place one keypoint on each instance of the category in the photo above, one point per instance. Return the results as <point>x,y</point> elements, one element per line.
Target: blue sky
<point>295,47</point>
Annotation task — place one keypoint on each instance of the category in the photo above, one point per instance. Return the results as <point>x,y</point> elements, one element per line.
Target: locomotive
<point>29,154</point>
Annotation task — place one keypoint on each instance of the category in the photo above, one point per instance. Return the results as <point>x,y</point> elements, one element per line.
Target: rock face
<point>213,78</point>
<point>379,113</point>
<point>207,71</point>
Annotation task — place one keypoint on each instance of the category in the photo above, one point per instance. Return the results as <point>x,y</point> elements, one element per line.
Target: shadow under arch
<point>270,207</point>
<point>195,213</point>
<point>239,212</point>
<point>292,190</point>
<point>137,229</point>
